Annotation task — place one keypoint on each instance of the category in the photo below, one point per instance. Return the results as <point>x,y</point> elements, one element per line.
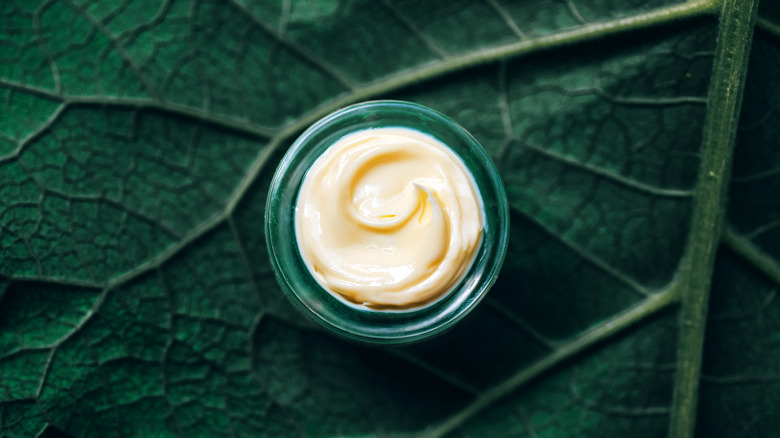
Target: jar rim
<point>383,326</point>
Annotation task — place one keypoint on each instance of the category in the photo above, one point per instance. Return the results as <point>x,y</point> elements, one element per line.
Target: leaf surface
<point>137,143</point>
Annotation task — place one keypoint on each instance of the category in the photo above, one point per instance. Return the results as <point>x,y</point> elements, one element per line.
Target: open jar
<point>362,321</point>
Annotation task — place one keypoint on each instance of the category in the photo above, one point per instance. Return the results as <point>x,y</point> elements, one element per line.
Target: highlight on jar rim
<point>386,222</point>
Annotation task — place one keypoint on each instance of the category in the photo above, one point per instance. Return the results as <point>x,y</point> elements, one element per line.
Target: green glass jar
<point>361,323</point>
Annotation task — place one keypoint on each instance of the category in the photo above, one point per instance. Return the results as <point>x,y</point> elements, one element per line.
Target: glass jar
<point>358,322</point>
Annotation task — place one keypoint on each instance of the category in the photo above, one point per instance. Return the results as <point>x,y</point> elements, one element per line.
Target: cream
<point>388,218</point>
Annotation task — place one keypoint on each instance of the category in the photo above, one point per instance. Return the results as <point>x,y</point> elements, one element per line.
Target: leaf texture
<point>137,143</point>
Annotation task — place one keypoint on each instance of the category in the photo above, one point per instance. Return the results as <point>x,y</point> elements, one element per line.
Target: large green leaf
<point>137,142</point>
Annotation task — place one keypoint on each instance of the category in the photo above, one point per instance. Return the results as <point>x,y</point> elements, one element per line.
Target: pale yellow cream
<point>388,218</point>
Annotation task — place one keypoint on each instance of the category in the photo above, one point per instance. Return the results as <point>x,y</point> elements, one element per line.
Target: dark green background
<point>137,142</point>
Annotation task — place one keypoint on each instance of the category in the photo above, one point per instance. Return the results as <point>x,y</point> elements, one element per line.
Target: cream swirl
<point>388,218</point>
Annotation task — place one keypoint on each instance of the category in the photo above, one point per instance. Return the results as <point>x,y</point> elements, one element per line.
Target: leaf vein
<point>584,254</point>
<point>118,46</point>
<point>648,307</point>
<point>296,48</point>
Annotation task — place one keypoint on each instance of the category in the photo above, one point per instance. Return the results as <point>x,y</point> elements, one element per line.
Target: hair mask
<point>388,218</point>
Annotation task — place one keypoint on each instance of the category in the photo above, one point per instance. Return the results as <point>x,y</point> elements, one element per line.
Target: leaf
<point>137,143</point>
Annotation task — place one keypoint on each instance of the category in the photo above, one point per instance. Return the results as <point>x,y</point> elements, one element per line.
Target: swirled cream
<point>388,218</point>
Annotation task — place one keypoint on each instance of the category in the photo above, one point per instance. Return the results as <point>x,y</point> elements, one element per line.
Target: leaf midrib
<point>735,32</point>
